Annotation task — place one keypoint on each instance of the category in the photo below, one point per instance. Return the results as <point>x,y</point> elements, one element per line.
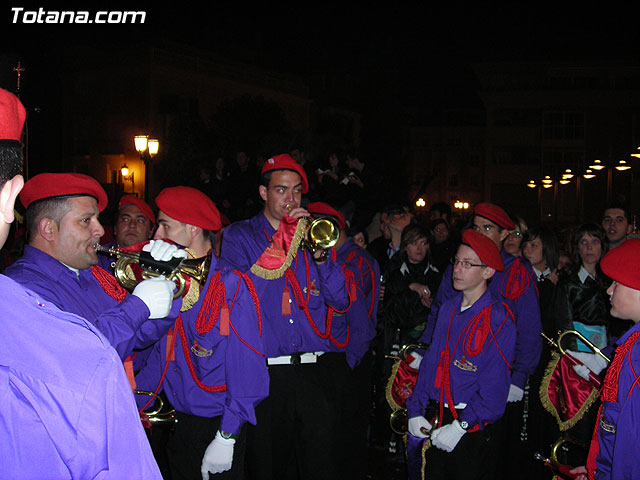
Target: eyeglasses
<point>464,263</point>
<point>515,234</point>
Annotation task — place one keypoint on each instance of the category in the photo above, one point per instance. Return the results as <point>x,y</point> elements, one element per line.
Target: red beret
<point>496,214</point>
<point>326,209</point>
<point>51,185</point>
<point>285,162</point>
<point>188,205</point>
<point>141,204</point>
<point>484,248</point>
<point>12,116</point>
<point>622,264</point>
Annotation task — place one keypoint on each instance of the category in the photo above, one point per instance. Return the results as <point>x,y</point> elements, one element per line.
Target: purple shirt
<point>285,334</point>
<point>126,324</point>
<point>235,360</point>
<point>66,407</point>
<point>362,325</point>
<point>525,308</point>
<point>481,380</point>
<point>618,433</point>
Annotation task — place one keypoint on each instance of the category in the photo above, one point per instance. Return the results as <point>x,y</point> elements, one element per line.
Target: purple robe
<point>618,433</point>
<point>284,334</point>
<point>66,407</point>
<point>235,360</point>
<point>126,324</point>
<point>525,308</point>
<point>362,324</point>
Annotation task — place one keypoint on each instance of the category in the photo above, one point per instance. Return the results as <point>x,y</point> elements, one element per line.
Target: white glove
<point>593,362</point>
<point>218,457</point>
<point>515,394</point>
<point>582,371</point>
<point>157,295</point>
<point>415,363</point>
<point>447,437</point>
<point>416,426</point>
<point>163,251</point>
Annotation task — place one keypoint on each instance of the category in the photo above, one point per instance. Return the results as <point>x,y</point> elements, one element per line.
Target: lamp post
<point>127,175</point>
<point>147,148</point>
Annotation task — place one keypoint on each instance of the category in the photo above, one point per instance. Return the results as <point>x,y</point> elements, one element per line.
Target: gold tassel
<point>291,254</point>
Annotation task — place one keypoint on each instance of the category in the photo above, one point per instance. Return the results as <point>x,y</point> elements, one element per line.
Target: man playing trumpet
<point>303,349</point>
<point>210,365</point>
<point>60,264</point>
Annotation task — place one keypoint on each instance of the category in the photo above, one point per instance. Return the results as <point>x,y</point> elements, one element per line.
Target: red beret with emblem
<point>326,209</point>
<point>286,162</point>
<point>12,116</point>
<point>496,214</point>
<point>189,205</point>
<point>622,264</point>
<point>52,185</point>
<point>484,248</point>
<point>144,207</point>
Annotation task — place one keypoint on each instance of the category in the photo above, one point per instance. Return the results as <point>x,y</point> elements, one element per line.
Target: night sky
<point>406,47</point>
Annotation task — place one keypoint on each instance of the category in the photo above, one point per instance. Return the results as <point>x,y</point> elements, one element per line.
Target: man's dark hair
<point>10,160</point>
<point>53,208</point>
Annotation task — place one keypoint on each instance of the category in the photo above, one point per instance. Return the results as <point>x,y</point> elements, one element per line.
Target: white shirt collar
<point>583,275</point>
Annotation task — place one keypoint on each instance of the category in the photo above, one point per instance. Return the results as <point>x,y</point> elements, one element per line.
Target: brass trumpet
<point>156,415</point>
<point>174,269</point>
<point>404,351</point>
<point>399,422</point>
<point>552,461</point>
<point>594,379</point>
<point>322,232</point>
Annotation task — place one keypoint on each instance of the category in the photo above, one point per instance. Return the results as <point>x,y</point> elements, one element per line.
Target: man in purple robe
<point>297,423</point>
<point>516,286</point>
<point>363,283</point>
<point>66,407</point>
<point>60,264</point>
<point>215,369</point>
<point>464,376</point>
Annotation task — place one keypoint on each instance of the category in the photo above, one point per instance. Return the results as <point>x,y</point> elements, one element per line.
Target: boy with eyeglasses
<point>464,378</point>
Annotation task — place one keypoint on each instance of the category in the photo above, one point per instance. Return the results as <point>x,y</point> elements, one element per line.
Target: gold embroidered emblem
<point>315,291</point>
<point>606,426</point>
<point>466,365</point>
<point>199,351</point>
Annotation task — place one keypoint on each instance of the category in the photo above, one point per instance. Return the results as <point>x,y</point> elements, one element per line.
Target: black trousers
<point>190,439</point>
<point>297,424</point>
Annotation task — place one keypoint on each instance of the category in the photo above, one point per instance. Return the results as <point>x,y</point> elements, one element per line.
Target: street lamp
<point>127,175</point>
<point>147,148</point>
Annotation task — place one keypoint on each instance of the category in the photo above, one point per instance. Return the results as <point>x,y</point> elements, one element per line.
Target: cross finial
<point>18,69</point>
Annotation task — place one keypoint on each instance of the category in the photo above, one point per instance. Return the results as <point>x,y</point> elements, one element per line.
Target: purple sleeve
<point>234,249</point>
<point>109,429</point>
<point>526,310</point>
<point>246,374</point>
<point>333,285</point>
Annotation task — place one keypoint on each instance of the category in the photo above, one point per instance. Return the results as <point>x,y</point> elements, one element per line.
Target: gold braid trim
<point>387,391</point>
<point>549,407</point>
<point>291,254</point>
<point>190,298</point>
<point>425,446</point>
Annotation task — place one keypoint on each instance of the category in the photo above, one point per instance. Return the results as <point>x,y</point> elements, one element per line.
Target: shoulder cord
<point>518,281</point>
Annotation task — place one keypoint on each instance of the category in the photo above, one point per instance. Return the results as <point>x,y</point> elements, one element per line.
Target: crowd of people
<point>305,316</point>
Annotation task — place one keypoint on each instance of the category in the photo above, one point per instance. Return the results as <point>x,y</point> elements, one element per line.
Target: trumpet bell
<point>399,421</point>
<point>323,234</point>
